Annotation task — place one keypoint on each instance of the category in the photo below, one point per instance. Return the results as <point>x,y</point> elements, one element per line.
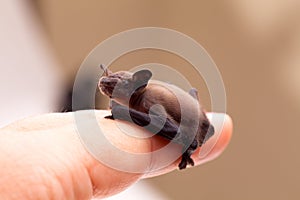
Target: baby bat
<point>181,118</point>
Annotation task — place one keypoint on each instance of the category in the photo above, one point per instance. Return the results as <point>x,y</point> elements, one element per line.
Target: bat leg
<point>186,156</point>
<point>112,104</point>
<point>169,130</point>
<point>207,131</point>
<point>194,93</point>
<point>156,124</point>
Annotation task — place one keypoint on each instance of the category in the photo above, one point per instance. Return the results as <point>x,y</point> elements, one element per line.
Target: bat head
<point>121,85</point>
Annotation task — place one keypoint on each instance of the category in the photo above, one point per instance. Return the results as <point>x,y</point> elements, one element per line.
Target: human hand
<point>42,157</point>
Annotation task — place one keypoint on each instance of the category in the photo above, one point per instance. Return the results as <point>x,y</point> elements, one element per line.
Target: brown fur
<point>137,92</point>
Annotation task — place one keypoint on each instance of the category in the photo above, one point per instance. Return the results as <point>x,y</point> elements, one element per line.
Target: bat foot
<point>185,161</point>
<point>182,164</point>
<point>186,156</point>
<point>109,117</point>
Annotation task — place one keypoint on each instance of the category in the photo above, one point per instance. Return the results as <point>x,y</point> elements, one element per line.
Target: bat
<point>179,117</point>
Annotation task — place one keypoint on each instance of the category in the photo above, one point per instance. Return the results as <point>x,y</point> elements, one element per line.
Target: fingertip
<point>216,145</point>
<point>212,148</point>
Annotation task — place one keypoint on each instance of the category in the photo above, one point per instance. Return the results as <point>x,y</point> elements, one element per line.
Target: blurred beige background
<point>255,44</point>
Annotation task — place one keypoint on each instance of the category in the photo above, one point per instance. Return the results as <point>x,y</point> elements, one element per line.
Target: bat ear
<point>142,76</point>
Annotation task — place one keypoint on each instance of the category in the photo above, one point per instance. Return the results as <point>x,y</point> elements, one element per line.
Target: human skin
<point>42,157</point>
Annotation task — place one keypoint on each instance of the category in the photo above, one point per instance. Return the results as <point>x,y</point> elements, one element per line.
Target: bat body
<point>179,116</point>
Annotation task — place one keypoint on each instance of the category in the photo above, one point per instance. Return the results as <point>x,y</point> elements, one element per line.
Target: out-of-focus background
<point>255,44</point>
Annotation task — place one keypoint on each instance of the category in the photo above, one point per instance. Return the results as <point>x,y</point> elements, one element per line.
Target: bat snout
<point>107,81</point>
<point>107,85</point>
